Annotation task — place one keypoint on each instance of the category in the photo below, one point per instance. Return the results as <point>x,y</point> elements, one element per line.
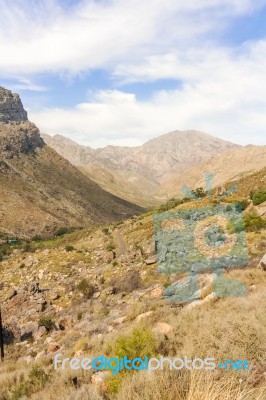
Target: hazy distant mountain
<point>138,173</point>
<point>232,165</point>
<point>40,190</point>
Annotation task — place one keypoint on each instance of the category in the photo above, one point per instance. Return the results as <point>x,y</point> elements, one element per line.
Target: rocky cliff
<point>11,108</point>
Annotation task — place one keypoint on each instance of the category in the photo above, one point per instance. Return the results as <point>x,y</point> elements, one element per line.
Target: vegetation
<point>86,288</point>
<point>35,382</point>
<point>47,323</point>
<point>258,197</point>
<point>131,281</point>
<point>69,248</point>
<point>252,221</point>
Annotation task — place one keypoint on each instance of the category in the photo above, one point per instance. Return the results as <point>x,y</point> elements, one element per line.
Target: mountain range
<point>150,174</point>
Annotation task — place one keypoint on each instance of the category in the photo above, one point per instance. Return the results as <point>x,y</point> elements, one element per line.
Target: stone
<point>262,263</point>
<point>142,316</point>
<point>98,379</point>
<point>28,330</point>
<point>40,355</point>
<point>40,333</point>
<point>52,295</point>
<point>156,292</point>
<point>120,320</point>
<point>151,260</point>
<point>53,348</point>
<point>12,294</point>
<point>163,328</point>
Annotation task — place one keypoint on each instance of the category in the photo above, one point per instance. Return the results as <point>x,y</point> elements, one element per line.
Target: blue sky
<point>123,71</point>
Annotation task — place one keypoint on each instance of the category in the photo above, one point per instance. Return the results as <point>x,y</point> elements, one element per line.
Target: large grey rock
<point>11,108</point>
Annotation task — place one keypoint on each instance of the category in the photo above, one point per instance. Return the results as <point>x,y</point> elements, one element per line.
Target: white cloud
<point>223,90</point>
<point>41,36</point>
<point>26,84</point>
<point>220,95</point>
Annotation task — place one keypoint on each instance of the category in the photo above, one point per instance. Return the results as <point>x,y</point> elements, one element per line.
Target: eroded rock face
<point>17,134</point>
<point>11,108</point>
<point>21,138</point>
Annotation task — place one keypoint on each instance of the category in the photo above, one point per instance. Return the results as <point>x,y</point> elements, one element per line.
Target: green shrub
<point>63,230</point>
<point>86,288</point>
<point>47,323</point>
<point>35,382</point>
<point>139,344</point>
<point>69,248</point>
<point>253,222</point>
<point>258,197</point>
<point>235,226</point>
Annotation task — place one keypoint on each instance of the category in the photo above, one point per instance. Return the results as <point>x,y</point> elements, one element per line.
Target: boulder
<point>151,260</point>
<point>262,263</point>
<point>163,328</point>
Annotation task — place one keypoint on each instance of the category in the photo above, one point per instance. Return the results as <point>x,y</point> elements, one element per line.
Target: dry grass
<point>185,386</point>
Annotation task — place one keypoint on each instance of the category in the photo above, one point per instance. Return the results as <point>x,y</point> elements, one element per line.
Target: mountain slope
<point>138,173</point>
<point>229,166</point>
<point>41,191</point>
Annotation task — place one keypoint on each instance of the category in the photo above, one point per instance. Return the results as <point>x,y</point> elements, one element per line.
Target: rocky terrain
<point>92,291</point>
<point>41,187</point>
<point>187,279</point>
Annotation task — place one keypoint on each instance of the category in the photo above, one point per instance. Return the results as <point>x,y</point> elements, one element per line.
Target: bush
<point>69,248</point>
<point>252,221</point>
<point>139,344</point>
<point>258,197</point>
<point>47,323</point>
<point>35,382</point>
<point>102,280</point>
<point>131,281</point>
<point>243,204</point>
<point>110,247</point>
<point>27,248</point>
<point>199,193</point>
<point>63,230</point>
<point>86,288</point>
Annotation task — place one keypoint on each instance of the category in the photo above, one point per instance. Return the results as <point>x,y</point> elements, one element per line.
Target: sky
<point>121,72</point>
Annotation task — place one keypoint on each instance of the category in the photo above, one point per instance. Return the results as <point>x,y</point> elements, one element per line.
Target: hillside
<point>138,173</point>
<point>98,291</point>
<point>39,190</point>
<point>229,166</point>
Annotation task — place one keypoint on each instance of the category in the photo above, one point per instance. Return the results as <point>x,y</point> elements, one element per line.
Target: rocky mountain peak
<point>17,133</point>
<point>11,108</point>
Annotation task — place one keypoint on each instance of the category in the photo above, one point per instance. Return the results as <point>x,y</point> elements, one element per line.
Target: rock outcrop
<point>17,134</point>
<point>11,108</point>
